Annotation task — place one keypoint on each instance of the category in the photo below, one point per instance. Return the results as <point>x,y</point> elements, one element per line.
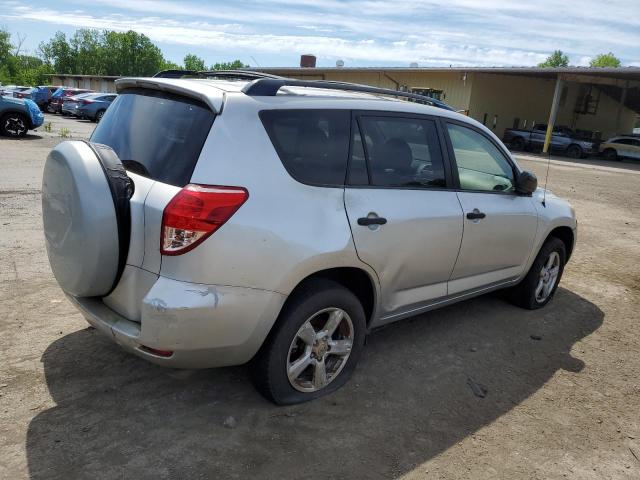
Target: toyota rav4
<point>237,218</point>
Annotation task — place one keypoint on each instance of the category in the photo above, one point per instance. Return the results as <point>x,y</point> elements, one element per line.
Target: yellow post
<point>553,114</point>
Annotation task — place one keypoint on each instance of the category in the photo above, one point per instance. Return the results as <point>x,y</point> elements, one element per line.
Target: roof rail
<point>226,74</point>
<point>268,87</point>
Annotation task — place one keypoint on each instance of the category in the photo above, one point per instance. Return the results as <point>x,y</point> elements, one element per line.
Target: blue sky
<point>360,32</point>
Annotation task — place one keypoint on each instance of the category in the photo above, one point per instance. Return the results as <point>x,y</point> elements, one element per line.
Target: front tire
<point>99,116</point>
<point>541,282</point>
<point>610,154</point>
<point>14,125</point>
<point>314,346</point>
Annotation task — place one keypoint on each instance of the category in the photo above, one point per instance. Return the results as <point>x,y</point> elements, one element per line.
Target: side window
<point>481,166</point>
<point>313,145</point>
<point>402,152</point>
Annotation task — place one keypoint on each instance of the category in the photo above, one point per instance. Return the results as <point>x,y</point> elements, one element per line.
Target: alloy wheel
<point>548,277</point>
<point>320,350</point>
<point>15,126</point>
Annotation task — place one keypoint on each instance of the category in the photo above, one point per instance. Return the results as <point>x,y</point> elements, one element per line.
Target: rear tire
<point>291,347</point>
<point>14,125</point>
<point>611,155</point>
<point>541,282</point>
<point>574,151</point>
<point>99,116</point>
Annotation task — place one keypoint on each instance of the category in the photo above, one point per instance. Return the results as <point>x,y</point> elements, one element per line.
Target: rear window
<point>313,145</point>
<point>156,134</point>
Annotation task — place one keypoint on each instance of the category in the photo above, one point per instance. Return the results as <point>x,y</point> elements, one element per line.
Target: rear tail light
<point>195,213</point>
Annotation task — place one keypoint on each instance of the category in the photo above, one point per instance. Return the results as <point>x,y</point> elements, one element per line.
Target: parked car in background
<point>25,93</point>
<point>19,115</point>
<point>9,90</point>
<point>620,147</point>
<point>70,104</point>
<point>563,140</point>
<point>58,97</point>
<point>94,106</point>
<point>42,94</point>
<point>278,221</point>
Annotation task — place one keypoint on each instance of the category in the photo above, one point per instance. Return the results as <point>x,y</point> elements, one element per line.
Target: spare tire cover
<point>86,230</point>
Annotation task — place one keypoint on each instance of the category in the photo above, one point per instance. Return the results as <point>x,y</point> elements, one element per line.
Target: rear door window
<point>401,152</point>
<point>313,145</point>
<point>156,134</point>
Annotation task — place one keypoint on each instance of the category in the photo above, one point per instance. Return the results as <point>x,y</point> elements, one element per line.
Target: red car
<point>59,96</point>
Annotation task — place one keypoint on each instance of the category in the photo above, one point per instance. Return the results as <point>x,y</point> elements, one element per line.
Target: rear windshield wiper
<point>136,167</point>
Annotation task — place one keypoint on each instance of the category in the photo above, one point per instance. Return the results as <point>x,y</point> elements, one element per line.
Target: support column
<point>623,98</point>
<point>553,114</point>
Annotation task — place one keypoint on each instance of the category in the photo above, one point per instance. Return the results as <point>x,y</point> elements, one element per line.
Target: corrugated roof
<point>629,73</point>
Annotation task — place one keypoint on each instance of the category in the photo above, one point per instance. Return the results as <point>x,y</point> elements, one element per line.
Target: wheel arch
<point>354,279</point>
<point>566,235</point>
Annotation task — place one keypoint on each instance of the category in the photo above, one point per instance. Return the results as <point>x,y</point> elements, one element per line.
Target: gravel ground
<point>562,384</point>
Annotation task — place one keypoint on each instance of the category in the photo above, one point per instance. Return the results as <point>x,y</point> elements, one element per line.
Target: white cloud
<point>432,32</point>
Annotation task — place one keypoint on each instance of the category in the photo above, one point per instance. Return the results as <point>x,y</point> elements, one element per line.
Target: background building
<point>602,101</point>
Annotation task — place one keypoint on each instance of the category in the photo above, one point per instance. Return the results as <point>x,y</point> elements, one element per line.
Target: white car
<point>617,148</point>
<point>277,221</point>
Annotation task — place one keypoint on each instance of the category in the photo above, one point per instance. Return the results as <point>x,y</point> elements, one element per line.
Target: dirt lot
<point>72,405</point>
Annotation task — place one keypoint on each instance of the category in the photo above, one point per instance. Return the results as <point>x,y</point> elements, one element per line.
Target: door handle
<point>366,221</point>
<point>475,215</point>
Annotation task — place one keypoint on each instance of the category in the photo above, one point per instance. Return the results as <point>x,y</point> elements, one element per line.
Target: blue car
<point>41,95</point>
<point>93,106</point>
<point>18,115</point>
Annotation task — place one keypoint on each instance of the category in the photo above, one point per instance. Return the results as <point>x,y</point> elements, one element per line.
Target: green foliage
<point>605,60</point>
<point>64,133</point>
<point>556,59</point>
<point>193,62</point>
<point>91,52</point>
<point>236,64</point>
<point>167,65</point>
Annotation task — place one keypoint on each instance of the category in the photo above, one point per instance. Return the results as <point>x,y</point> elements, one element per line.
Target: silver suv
<point>220,221</point>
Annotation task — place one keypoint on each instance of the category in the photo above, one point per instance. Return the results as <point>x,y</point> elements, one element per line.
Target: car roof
<point>213,91</point>
<point>623,137</point>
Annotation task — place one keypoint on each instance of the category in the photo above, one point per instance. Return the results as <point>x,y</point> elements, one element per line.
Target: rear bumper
<point>203,325</point>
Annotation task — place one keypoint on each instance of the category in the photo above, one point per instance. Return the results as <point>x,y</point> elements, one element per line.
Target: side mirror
<point>526,183</point>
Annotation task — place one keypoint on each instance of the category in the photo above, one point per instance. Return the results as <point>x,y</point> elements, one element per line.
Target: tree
<point>556,59</point>
<point>236,64</point>
<point>57,52</point>
<point>605,60</point>
<point>7,61</point>
<point>168,65</point>
<point>130,53</point>
<point>194,62</point>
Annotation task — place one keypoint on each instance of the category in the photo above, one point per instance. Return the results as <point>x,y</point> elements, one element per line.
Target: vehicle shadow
<point>28,136</point>
<point>411,398</point>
